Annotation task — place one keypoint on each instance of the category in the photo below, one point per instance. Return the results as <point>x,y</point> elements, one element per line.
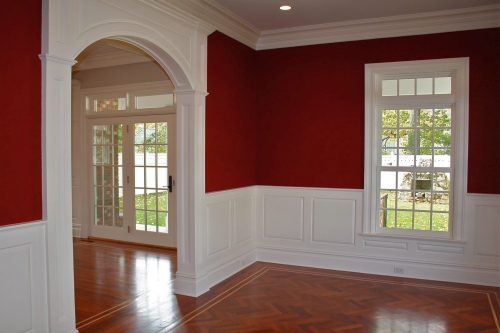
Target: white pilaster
<point>56,138</point>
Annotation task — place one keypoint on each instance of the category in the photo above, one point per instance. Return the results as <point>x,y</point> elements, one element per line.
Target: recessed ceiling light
<point>285,7</point>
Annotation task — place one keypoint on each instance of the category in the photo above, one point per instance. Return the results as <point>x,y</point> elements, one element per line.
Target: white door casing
<point>178,44</point>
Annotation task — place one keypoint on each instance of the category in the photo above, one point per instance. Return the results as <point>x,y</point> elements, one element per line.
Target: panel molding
<point>338,213</point>
<point>386,244</point>
<point>282,212</point>
<point>30,238</point>
<point>440,248</point>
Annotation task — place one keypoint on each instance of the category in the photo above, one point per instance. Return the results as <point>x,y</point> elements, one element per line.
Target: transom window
<point>415,147</point>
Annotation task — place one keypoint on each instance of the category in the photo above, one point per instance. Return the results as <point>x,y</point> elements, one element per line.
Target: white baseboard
<point>488,276</point>
<point>77,232</point>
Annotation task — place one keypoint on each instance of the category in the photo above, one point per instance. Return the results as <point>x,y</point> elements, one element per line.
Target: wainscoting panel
<point>243,219</point>
<point>332,237</point>
<point>488,230</point>
<point>228,233</point>
<point>283,217</point>
<point>218,223</point>
<point>333,221</point>
<point>23,286</point>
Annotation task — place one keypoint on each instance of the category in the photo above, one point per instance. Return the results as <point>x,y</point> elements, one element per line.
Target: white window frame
<point>458,68</point>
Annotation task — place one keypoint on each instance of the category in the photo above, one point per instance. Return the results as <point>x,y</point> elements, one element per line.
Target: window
<point>129,100</point>
<point>415,155</point>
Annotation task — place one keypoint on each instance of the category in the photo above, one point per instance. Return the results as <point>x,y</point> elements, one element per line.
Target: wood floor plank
<point>122,288</point>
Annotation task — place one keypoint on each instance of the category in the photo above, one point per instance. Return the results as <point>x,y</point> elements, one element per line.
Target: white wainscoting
<point>23,278</point>
<point>229,233</point>
<point>323,228</point>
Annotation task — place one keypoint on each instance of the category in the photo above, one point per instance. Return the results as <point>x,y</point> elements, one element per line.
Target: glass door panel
<point>151,177</point>
<point>107,147</point>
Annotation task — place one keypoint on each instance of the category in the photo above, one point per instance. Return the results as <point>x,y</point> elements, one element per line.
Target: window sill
<point>416,238</point>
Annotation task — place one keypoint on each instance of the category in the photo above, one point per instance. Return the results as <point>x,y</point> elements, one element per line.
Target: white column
<point>56,164</point>
<point>190,276</point>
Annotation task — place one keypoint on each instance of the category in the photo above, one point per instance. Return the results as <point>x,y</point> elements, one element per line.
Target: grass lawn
<point>145,208</point>
<point>422,219</point>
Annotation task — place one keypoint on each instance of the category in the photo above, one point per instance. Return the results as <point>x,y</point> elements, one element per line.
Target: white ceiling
<point>265,14</point>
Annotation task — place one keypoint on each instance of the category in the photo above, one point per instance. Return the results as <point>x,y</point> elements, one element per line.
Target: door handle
<point>170,184</point>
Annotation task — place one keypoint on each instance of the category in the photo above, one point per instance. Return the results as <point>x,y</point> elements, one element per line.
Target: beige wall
<point>118,75</point>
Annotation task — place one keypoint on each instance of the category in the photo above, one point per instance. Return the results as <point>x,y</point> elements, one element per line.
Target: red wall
<point>311,107</point>
<point>20,89</point>
<point>231,146</point>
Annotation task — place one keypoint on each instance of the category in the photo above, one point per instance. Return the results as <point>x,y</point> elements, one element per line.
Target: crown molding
<point>396,26</point>
<point>110,59</point>
<point>218,17</point>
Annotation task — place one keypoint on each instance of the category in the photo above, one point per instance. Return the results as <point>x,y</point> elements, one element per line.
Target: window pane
<point>422,221</point>
<point>404,159</point>
<point>161,133</point>
<point>163,222</point>
<point>162,178</point>
<point>110,104</point>
<point>440,221</point>
<point>98,220</point>
<point>442,117</point>
<point>139,177</point>
<point>389,118</point>
<point>118,217</point>
<point>407,140</point>
<point>406,118</point>
<point>151,177</point>
<point>139,217</point>
<point>163,200</point>
<point>405,180</point>
<point>388,180</point>
<point>425,118</point>
<point>139,154</point>
<point>139,199</point>
<point>423,200</point>
<point>139,133</point>
<point>442,85</point>
<point>424,86</point>
<point>406,87</point>
<point>151,200</point>
<point>441,202</point>
<point>441,181</point>
<point>389,157</point>
<point>154,101</point>
<point>389,87</point>
<point>388,199</point>
<point>404,219</point>
<point>391,219</point>
<point>423,181</point>
<point>424,138</point>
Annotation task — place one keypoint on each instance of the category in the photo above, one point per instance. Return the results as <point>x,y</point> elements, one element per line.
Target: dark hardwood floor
<point>126,288</point>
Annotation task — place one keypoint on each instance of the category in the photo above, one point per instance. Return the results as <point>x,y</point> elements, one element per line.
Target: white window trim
<point>460,69</point>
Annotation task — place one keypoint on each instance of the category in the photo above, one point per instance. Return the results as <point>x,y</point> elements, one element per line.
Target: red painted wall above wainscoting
<point>231,115</point>
<point>20,89</point>
<point>311,107</point>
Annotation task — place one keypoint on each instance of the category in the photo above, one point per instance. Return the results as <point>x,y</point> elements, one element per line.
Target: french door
<point>132,172</point>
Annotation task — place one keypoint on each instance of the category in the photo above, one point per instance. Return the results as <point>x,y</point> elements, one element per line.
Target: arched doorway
<point>123,146</point>
<point>179,46</point>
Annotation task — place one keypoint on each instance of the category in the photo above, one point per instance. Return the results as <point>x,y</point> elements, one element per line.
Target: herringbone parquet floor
<point>137,296</point>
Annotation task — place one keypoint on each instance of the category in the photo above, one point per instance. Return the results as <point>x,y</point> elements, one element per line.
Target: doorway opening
<point>123,146</point>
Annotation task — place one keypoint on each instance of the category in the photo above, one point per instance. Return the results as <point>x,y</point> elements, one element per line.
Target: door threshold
<point>90,238</point>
